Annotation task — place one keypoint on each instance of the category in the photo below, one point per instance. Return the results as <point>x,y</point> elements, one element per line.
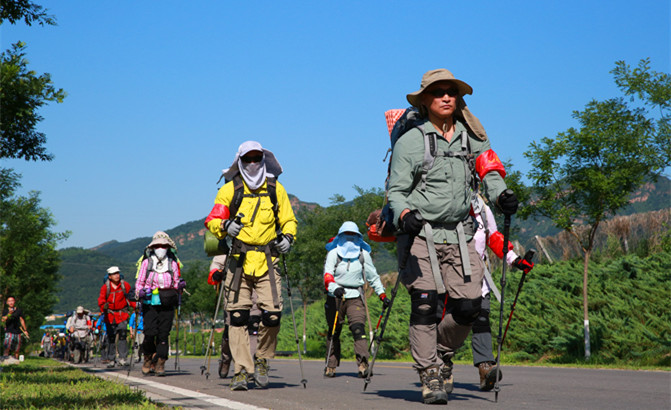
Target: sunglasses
<point>256,158</point>
<point>439,92</point>
<point>162,246</point>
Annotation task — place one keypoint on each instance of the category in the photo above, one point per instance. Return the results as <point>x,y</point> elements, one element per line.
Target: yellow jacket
<point>262,231</point>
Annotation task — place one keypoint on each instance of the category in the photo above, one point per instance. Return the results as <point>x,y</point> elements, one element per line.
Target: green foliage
<point>29,261</point>
<point>15,10</point>
<point>23,93</point>
<point>38,383</point>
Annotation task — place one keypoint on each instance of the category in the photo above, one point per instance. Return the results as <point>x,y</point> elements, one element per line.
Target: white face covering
<point>161,253</point>
<point>254,173</point>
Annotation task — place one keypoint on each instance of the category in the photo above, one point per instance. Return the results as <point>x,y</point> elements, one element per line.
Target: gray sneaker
<point>261,373</point>
<point>239,381</point>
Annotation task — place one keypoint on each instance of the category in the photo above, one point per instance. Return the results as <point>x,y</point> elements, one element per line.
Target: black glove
<point>523,264</point>
<point>385,301</point>
<point>218,276</point>
<point>507,202</point>
<point>412,223</point>
<point>339,293</point>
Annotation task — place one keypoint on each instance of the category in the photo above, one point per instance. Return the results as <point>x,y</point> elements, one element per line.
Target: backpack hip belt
<point>242,248</point>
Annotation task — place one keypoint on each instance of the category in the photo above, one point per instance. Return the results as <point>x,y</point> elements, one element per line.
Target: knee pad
<point>239,318</point>
<point>253,324</point>
<point>423,307</point>
<point>464,311</point>
<point>270,319</point>
<point>358,331</point>
<point>481,324</point>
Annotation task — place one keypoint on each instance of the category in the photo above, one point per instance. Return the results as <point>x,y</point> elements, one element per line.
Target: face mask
<point>161,253</point>
<point>252,168</point>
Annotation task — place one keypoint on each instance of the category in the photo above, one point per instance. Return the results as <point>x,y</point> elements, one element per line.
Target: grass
<point>46,383</point>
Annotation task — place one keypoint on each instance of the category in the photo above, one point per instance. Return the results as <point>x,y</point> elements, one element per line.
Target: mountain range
<point>82,270</point>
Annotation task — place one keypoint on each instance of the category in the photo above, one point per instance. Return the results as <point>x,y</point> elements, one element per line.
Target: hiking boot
<point>363,370</point>
<point>446,372</point>
<point>123,362</point>
<point>111,364</point>
<point>160,367</point>
<point>487,372</point>
<point>329,372</point>
<point>146,366</point>
<point>433,391</point>
<point>261,373</point>
<point>239,381</point>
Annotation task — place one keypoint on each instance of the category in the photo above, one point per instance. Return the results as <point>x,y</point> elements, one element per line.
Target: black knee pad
<point>464,311</point>
<point>271,319</point>
<point>358,331</point>
<point>423,309</point>
<point>239,317</point>
<point>481,324</point>
<point>253,324</point>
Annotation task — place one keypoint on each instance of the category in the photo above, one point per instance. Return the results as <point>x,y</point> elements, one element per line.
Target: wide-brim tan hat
<point>434,76</point>
<point>161,238</point>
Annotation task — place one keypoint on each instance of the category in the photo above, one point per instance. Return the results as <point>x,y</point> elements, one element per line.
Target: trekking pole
<point>378,338</point>
<point>203,368</point>
<point>527,257</point>
<point>293,319</point>
<point>178,313</point>
<point>335,324</point>
<point>134,338</point>
<point>506,236</point>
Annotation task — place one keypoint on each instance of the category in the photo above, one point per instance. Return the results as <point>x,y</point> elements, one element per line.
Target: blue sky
<point>160,94</point>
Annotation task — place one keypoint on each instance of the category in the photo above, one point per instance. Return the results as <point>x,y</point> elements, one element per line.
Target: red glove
<point>523,265</point>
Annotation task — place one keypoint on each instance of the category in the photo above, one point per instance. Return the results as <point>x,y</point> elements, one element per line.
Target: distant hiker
<point>46,344</point>
<point>79,327</point>
<point>157,286</point>
<point>431,206</point>
<point>481,341</point>
<point>113,302</point>
<point>217,270</point>
<point>347,268</point>
<point>266,229</point>
<point>100,332</point>
<point>137,334</point>
<point>15,327</point>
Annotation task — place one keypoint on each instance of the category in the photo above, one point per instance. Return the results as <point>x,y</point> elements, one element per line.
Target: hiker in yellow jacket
<point>265,229</point>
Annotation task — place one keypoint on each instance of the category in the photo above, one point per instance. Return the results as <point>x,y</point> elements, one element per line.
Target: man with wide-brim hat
<point>431,201</point>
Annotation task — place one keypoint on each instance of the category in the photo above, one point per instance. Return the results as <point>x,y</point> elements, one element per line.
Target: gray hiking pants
<point>446,336</point>
<point>481,341</point>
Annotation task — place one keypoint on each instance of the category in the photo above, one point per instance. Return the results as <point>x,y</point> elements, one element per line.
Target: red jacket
<point>116,309</point>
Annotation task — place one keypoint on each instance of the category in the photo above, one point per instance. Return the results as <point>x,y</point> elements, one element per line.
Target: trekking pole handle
<point>529,256</point>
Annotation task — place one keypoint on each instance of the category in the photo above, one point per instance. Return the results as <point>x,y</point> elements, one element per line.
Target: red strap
<point>496,244</point>
<point>487,162</point>
<point>219,211</point>
<point>328,278</point>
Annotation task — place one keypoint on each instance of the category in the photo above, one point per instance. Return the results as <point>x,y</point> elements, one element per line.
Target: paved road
<point>396,386</point>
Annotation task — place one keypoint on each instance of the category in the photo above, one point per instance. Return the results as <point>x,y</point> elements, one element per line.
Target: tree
<point>22,93</point>
<point>15,10</point>
<point>28,258</point>
<point>585,175</point>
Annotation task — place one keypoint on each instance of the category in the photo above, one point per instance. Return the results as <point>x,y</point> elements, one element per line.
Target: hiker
<point>347,268</point>
<point>137,335</point>
<point>100,331</point>
<point>157,286</point>
<point>481,340</point>
<point>113,302</point>
<point>431,206</point>
<point>79,327</point>
<point>46,344</point>
<point>218,265</point>
<point>266,229</point>
<point>15,327</point>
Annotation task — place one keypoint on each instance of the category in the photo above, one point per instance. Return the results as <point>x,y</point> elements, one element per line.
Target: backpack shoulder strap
<point>238,192</point>
<point>430,149</point>
<point>272,193</point>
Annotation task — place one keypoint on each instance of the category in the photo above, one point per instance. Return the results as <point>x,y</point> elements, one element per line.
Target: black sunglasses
<point>439,92</point>
<point>256,158</point>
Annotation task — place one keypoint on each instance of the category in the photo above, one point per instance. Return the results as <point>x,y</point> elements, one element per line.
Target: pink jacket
<point>164,280</point>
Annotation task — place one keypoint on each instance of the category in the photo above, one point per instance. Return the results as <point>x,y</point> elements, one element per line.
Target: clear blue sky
<point>160,94</point>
